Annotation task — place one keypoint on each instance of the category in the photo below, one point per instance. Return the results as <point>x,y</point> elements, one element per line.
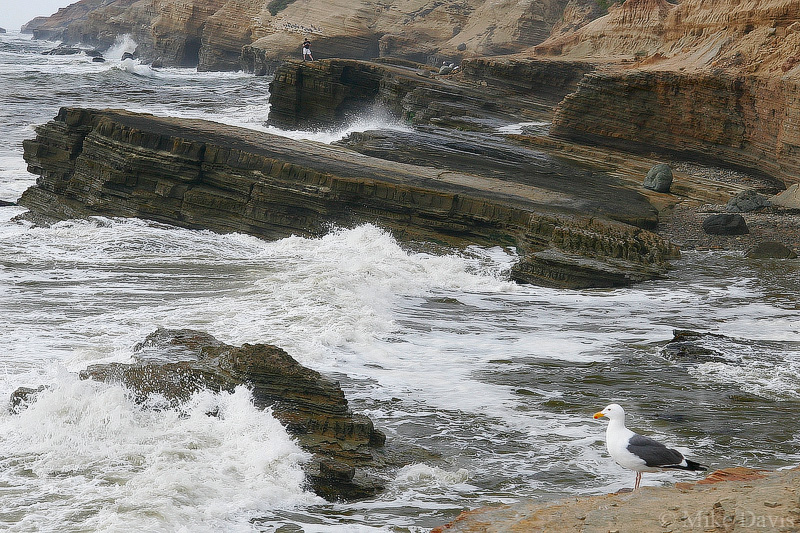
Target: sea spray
<point>89,457</point>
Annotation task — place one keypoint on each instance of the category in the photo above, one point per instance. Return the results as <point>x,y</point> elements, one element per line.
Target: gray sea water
<point>496,381</point>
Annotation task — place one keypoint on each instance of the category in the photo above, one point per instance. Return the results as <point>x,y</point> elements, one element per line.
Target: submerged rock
<point>63,50</point>
<point>175,364</point>
<point>771,250</point>
<point>688,346</point>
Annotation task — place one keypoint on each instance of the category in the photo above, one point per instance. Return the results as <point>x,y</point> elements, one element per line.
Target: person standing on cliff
<point>307,50</point>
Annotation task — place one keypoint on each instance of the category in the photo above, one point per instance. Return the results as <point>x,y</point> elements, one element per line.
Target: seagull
<point>635,452</point>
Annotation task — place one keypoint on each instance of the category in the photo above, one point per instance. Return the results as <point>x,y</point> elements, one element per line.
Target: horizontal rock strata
<point>213,34</point>
<point>747,122</point>
<point>199,174</point>
<point>325,93</point>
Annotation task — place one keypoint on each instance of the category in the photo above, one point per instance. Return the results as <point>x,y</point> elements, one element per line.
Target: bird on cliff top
<point>635,452</point>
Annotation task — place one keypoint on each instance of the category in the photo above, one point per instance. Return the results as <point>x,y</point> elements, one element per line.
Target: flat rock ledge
<point>175,364</point>
<point>204,175</point>
<point>730,500</point>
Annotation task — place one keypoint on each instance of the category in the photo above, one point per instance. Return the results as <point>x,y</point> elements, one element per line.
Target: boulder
<point>175,364</point>
<point>2,30</point>
<point>747,201</point>
<point>790,198</point>
<point>725,224</point>
<point>659,178</point>
<point>771,250</point>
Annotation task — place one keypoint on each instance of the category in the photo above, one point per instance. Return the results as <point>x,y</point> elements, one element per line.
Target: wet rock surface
<point>174,364</point>
<point>689,346</point>
<point>771,250</point>
<point>199,174</point>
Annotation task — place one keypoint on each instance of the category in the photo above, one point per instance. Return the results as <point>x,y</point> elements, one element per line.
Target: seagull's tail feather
<point>692,465</point>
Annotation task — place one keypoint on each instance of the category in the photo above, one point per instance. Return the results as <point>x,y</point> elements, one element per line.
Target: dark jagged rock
<point>199,174</point>
<point>177,363</point>
<point>63,51</point>
<point>725,224</point>
<point>689,346</point>
<point>771,250</point>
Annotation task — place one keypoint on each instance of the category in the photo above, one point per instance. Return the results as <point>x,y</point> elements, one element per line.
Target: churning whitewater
<point>494,382</point>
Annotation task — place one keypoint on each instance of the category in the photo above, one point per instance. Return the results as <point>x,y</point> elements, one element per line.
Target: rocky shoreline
<point>732,500</point>
<point>198,174</point>
<point>349,460</point>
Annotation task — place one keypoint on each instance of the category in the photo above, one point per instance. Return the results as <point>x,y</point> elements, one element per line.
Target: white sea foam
<point>520,127</point>
<point>371,118</point>
<point>83,455</point>
<point>422,473</point>
<point>761,378</point>
<point>440,349</point>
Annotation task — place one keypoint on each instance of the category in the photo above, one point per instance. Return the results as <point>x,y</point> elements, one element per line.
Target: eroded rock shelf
<point>199,174</point>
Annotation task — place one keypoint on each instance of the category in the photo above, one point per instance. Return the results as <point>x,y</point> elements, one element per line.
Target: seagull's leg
<point>638,480</point>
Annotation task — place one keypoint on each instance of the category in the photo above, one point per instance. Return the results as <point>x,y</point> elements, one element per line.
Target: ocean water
<point>495,382</point>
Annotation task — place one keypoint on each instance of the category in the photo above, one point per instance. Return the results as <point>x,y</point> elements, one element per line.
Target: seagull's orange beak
<point>598,415</point>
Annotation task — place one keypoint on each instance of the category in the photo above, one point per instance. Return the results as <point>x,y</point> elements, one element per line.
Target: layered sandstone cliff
<point>213,33</point>
<point>717,81</point>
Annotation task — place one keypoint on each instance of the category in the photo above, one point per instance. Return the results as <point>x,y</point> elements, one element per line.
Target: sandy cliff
<point>212,33</point>
<point>714,80</point>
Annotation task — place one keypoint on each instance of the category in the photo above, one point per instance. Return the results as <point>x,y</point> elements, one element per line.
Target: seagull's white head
<point>612,412</point>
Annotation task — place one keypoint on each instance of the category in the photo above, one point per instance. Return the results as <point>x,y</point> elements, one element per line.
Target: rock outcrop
<point>326,93</point>
<point>198,174</point>
<point>219,34</point>
<point>175,364</point>
<point>715,81</point>
<point>712,80</point>
<point>733,500</point>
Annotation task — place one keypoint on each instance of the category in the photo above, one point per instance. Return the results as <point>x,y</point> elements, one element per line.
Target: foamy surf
<point>84,456</point>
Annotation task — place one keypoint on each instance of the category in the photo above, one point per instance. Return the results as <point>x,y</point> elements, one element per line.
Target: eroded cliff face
<point>741,37</point>
<point>715,80</point>
<point>213,33</point>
